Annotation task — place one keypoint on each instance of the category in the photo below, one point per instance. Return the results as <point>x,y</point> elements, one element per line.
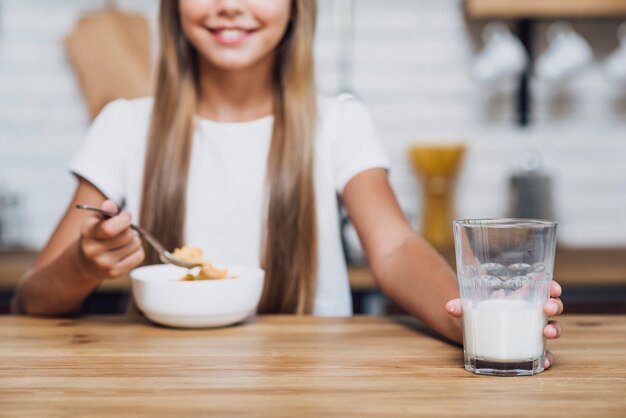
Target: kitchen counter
<point>593,280</point>
<point>285,366</point>
<point>14,264</point>
<point>573,267</point>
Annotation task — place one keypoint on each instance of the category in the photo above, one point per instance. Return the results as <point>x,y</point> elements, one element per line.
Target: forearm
<point>418,279</point>
<point>58,288</point>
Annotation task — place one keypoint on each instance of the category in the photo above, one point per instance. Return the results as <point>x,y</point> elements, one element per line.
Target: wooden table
<point>288,366</point>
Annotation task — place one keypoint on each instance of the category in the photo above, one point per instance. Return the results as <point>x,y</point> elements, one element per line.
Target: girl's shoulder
<point>121,123</point>
<point>342,111</point>
<point>136,111</point>
<point>344,102</point>
<point>122,120</point>
<point>348,138</point>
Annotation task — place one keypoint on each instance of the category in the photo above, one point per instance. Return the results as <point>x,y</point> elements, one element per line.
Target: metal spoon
<point>164,255</point>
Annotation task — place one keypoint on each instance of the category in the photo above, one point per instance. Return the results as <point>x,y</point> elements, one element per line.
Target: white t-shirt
<point>225,196</point>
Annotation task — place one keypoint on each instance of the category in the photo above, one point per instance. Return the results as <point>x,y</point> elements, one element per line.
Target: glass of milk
<point>504,267</point>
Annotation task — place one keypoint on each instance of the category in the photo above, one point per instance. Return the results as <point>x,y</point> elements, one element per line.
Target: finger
<point>119,240</point>
<point>553,307</point>
<point>549,360</point>
<point>109,206</point>
<point>90,224</point>
<point>555,289</point>
<point>96,228</point>
<point>93,247</point>
<point>129,262</point>
<point>453,307</point>
<point>108,262</point>
<point>553,330</point>
<point>121,253</point>
<point>112,227</point>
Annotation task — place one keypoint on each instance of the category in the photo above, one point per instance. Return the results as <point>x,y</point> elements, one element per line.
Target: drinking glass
<point>504,268</point>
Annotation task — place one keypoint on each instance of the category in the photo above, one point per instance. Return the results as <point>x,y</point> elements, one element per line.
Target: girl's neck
<point>235,96</point>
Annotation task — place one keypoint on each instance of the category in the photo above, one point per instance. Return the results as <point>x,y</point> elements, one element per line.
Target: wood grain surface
<point>511,9</point>
<point>288,366</point>
<point>573,267</point>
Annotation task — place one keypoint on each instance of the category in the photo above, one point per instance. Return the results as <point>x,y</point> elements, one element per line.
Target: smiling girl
<point>235,153</point>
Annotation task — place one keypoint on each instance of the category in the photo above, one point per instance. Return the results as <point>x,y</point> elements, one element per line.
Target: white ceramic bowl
<point>196,304</point>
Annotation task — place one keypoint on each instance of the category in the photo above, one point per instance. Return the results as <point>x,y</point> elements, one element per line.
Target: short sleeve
<point>355,145</point>
<point>100,159</point>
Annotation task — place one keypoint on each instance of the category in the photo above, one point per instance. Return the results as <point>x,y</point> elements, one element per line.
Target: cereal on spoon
<point>206,272</point>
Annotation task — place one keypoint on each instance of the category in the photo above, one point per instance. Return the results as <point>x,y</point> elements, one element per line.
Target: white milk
<point>503,330</point>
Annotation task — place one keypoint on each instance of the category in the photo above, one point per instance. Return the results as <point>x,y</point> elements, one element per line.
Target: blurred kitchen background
<point>437,75</point>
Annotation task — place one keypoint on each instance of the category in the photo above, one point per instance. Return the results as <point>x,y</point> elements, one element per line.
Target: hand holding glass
<point>504,268</point>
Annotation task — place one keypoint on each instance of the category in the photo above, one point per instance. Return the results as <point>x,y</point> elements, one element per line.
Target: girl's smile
<point>231,36</point>
<point>235,34</point>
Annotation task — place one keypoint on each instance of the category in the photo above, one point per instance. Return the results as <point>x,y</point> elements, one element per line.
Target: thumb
<point>109,206</point>
<point>453,307</point>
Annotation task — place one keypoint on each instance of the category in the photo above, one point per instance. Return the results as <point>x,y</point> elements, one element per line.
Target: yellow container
<point>437,167</point>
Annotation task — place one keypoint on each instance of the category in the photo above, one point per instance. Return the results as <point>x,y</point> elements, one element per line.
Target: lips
<point>231,36</point>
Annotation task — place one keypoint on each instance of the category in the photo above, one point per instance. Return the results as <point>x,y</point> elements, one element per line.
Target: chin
<point>231,65</point>
<point>234,60</point>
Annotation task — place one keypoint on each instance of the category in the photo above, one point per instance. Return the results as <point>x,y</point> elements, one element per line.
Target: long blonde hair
<point>290,239</point>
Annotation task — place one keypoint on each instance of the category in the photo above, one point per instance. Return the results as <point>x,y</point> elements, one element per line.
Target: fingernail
<point>553,307</point>
<point>450,306</point>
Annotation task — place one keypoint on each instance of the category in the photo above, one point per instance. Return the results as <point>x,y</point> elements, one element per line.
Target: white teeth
<point>231,34</point>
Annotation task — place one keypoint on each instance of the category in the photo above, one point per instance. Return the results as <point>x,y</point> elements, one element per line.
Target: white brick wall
<point>411,68</point>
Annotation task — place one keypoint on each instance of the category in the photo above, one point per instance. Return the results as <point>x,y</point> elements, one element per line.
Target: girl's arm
<point>82,251</point>
<point>405,266</point>
<point>408,269</point>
